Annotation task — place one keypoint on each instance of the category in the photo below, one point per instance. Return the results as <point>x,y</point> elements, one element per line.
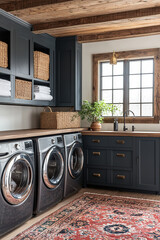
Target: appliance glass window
<point>53,168</point>
<point>20,176</point>
<point>76,162</point>
<point>17,179</point>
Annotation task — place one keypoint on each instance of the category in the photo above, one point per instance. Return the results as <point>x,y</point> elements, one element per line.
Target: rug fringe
<point>122,196</point>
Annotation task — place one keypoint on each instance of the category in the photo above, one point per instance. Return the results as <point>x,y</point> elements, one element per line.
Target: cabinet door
<point>69,60</point>
<point>65,72</point>
<point>23,54</point>
<point>147,163</point>
<point>78,78</point>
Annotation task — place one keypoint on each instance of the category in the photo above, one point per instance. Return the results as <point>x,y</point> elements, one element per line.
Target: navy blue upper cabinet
<point>69,70</point>
<point>147,163</point>
<point>23,53</point>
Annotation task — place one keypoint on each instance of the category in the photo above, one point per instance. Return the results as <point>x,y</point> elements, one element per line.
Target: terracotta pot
<point>96,126</point>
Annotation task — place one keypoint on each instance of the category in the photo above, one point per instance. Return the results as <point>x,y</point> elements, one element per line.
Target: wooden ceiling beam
<point>12,5</point>
<point>104,23</point>
<point>128,33</point>
<point>73,9</point>
<point>149,12</point>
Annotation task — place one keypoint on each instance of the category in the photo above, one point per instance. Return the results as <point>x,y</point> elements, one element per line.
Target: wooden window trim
<point>127,55</point>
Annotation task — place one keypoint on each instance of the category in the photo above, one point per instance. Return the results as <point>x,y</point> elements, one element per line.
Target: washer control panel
<point>59,139</point>
<point>17,146</point>
<point>28,145</point>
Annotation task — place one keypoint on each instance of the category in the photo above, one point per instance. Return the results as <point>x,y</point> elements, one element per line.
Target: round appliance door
<point>53,168</point>
<point>75,160</point>
<point>17,179</point>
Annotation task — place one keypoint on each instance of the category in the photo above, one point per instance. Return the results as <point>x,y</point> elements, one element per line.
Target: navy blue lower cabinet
<point>124,162</point>
<point>147,164</point>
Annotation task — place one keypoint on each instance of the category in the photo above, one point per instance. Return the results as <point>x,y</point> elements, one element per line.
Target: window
<point>133,83</point>
<point>129,85</point>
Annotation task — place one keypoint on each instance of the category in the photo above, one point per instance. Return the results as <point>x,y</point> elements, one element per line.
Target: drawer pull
<point>121,155</point>
<point>96,175</point>
<point>97,153</point>
<point>96,140</point>
<point>121,177</point>
<point>120,141</point>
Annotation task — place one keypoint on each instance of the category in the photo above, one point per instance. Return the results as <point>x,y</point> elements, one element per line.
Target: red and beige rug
<point>97,216</point>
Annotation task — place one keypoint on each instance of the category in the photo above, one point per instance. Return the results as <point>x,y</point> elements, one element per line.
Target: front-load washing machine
<point>74,163</point>
<point>50,172</point>
<point>17,183</point>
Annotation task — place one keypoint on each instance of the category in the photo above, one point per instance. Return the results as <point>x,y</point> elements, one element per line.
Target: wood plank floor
<point>64,202</point>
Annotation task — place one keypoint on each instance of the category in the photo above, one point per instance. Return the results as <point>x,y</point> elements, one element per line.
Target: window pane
<point>147,95</point>
<point>147,80</point>
<point>134,81</point>
<point>134,95</point>
<point>134,67</point>
<point>117,96</point>
<point>134,108</point>
<point>118,68</point>
<point>119,112</point>
<point>147,110</point>
<point>107,82</point>
<point>107,96</point>
<point>118,82</point>
<point>147,66</point>
<point>106,69</point>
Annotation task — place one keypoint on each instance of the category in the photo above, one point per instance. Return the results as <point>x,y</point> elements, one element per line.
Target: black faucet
<point>124,115</point>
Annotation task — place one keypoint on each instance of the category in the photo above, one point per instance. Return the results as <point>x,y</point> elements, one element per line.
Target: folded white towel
<point>42,96</point>
<point>5,88</point>
<point>42,91</point>
<point>5,93</point>
<point>5,82</point>
<point>41,87</point>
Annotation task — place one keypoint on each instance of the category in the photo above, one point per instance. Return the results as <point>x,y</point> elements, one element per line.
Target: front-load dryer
<point>74,163</point>
<point>17,177</point>
<point>50,172</point>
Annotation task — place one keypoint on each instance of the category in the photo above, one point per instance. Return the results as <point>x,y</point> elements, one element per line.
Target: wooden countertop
<point>17,134</point>
<point>122,133</point>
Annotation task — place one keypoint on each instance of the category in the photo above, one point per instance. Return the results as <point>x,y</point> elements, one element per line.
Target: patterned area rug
<point>98,216</point>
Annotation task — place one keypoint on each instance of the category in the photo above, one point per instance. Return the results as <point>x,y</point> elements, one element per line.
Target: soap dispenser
<point>115,124</point>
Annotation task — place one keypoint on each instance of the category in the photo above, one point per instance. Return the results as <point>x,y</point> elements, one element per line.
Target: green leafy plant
<point>94,112</point>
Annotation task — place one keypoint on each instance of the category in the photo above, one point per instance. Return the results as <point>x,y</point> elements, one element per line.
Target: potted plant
<point>94,112</point>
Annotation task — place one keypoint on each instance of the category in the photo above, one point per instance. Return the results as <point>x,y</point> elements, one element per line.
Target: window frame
<point>130,55</point>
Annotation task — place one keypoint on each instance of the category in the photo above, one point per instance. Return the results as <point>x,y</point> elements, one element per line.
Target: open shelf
<point>7,78</point>
<point>5,36</point>
<point>41,48</point>
<point>41,82</point>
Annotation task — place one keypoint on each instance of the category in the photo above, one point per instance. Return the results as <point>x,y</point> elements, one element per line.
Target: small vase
<point>96,126</point>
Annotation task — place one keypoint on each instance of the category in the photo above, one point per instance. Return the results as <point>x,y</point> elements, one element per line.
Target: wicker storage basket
<point>23,89</point>
<point>58,120</point>
<point>3,54</point>
<point>41,65</point>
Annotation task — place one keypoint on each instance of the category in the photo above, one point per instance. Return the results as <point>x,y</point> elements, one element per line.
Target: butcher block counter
<point>19,134</point>
<point>122,133</point>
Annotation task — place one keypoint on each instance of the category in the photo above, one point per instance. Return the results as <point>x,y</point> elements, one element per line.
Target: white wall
<point>19,117</point>
<point>109,46</point>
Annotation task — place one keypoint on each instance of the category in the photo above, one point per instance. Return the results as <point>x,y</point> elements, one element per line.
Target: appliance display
<point>17,174</point>
<point>50,172</point>
<point>74,163</point>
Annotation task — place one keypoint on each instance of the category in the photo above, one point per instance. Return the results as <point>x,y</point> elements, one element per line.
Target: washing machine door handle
<point>17,179</point>
<point>4,154</point>
<point>53,168</point>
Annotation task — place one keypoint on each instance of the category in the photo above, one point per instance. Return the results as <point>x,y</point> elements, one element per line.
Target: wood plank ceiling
<point>90,20</point>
